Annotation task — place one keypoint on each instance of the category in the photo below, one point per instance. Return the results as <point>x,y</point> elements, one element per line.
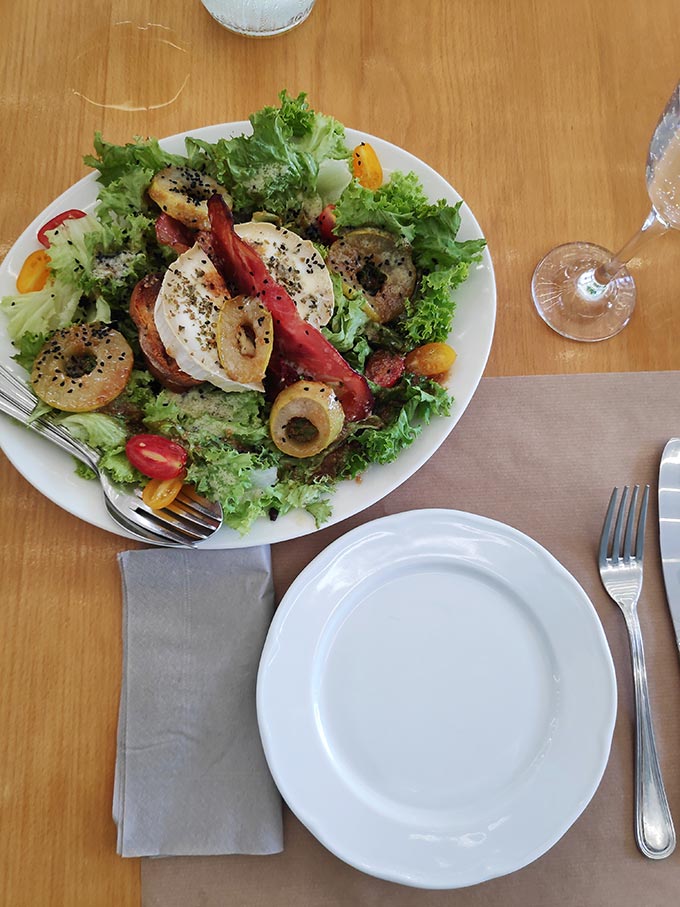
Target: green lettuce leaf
<point>104,260</point>
<point>347,328</point>
<point>43,311</point>
<point>276,168</point>
<point>96,429</point>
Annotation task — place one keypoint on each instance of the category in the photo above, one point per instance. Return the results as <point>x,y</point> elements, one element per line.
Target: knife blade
<point>669,528</point>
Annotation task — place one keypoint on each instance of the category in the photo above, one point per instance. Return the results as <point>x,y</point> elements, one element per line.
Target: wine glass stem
<point>593,283</point>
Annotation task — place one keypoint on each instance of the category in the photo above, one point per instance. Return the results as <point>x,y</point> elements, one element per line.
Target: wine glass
<point>585,292</point>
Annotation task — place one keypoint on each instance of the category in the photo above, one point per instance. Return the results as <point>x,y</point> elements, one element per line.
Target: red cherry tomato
<point>156,456</point>
<point>71,214</point>
<point>326,222</point>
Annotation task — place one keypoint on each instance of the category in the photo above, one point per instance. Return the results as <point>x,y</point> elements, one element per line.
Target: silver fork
<point>620,562</point>
<point>190,519</point>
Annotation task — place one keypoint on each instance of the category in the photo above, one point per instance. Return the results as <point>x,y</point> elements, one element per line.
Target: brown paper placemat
<point>541,454</point>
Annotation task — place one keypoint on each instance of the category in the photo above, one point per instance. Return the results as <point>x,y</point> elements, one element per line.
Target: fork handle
<point>653,823</point>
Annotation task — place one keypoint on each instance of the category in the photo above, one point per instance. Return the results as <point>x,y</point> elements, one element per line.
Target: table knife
<point>669,528</point>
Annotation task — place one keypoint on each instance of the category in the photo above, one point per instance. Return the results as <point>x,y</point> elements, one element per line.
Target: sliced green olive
<point>380,265</point>
<point>306,417</point>
<point>244,336</point>
<point>82,367</point>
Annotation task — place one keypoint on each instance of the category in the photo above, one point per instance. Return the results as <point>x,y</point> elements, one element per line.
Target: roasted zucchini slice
<point>380,265</point>
<point>306,417</point>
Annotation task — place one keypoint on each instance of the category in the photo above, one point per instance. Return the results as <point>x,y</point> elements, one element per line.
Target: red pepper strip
<point>171,232</point>
<point>298,342</point>
<point>54,222</point>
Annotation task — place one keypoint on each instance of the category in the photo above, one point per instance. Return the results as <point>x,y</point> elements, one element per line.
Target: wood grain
<point>539,113</point>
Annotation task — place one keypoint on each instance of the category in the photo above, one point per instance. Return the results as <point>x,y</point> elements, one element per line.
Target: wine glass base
<point>563,305</point>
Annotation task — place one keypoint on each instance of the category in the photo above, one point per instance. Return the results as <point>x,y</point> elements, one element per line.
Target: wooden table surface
<point>539,112</point>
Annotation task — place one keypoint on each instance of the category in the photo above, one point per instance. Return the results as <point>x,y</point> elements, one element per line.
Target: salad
<point>262,317</point>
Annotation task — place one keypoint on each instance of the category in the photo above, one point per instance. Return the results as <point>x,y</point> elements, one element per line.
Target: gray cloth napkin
<point>191,777</point>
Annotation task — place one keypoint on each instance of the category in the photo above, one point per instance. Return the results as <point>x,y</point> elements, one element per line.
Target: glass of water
<point>259,18</point>
<point>585,292</point>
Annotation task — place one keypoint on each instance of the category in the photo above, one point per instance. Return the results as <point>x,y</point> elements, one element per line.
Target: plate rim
<point>296,524</point>
<point>317,565</point>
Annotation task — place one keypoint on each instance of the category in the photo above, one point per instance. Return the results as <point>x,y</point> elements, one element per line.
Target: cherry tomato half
<point>430,359</point>
<point>366,166</point>
<point>34,272</point>
<point>325,222</point>
<point>53,223</point>
<point>156,456</point>
<point>158,493</point>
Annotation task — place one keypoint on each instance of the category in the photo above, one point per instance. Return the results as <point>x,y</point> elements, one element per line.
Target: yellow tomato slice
<point>366,166</point>
<point>430,359</point>
<point>34,272</point>
<point>158,493</point>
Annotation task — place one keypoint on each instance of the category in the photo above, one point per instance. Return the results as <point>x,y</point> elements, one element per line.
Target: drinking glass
<point>259,18</point>
<point>585,292</point>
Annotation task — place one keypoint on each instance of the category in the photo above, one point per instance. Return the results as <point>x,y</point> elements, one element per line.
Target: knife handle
<point>653,823</point>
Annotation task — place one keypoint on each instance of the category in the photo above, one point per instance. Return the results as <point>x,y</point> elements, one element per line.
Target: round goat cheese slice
<point>187,307</point>
<point>296,264</point>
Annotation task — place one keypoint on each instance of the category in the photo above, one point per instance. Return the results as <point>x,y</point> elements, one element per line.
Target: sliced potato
<point>183,193</point>
<point>380,265</point>
<point>244,336</point>
<point>82,367</point>
<point>306,417</point>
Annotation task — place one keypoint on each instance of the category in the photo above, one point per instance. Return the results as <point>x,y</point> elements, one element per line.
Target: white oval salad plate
<point>51,471</point>
<point>436,699</point>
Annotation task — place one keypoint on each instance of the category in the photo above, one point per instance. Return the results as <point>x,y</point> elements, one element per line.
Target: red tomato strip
<point>298,342</point>
<point>53,223</point>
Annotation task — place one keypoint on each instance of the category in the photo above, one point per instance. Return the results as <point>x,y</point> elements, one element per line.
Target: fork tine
<point>618,527</point>
<point>606,529</point>
<point>630,526</point>
<point>192,517</point>
<point>642,523</point>
<point>189,495</point>
<point>163,528</point>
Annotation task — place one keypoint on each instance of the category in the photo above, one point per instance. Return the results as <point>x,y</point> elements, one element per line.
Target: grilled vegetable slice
<point>305,418</point>
<point>159,362</point>
<point>82,367</point>
<point>183,193</point>
<point>245,338</point>
<point>378,264</point>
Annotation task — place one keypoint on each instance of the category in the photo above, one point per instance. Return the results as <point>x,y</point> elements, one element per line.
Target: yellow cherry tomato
<point>34,272</point>
<point>366,166</point>
<point>158,493</point>
<point>430,359</point>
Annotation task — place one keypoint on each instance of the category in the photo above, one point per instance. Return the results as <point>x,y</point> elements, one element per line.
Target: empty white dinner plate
<point>436,698</point>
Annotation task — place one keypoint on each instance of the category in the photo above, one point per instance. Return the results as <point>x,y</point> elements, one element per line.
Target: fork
<point>190,518</point>
<point>620,564</point>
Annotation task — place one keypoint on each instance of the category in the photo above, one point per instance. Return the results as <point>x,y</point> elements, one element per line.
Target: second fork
<point>620,563</point>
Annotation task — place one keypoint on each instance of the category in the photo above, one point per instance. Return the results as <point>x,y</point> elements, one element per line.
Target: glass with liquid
<point>585,292</point>
<point>259,17</point>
